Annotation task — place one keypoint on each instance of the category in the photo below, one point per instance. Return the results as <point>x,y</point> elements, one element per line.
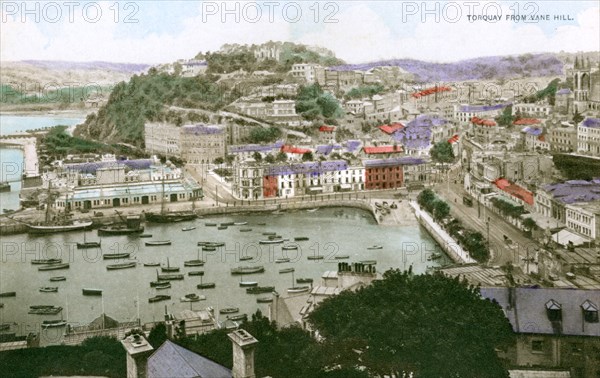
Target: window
<point>590,312</point>
<point>553,310</point>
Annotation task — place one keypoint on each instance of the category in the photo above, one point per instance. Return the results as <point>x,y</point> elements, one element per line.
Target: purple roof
<point>406,160</point>
<point>537,131</point>
<point>417,133</point>
<point>483,108</point>
<point>564,91</point>
<point>352,145</point>
<point>591,122</point>
<point>94,166</point>
<point>313,168</point>
<point>202,129</point>
<point>256,147</point>
<point>325,149</point>
<point>575,191</point>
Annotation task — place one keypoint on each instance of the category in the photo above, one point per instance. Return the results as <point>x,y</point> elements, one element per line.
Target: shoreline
<point>67,113</point>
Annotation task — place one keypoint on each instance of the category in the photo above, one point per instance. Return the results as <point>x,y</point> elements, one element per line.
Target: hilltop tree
<point>427,326</point>
<point>506,118</point>
<point>442,152</point>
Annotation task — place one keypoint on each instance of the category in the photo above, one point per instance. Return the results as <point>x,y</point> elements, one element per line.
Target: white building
<point>584,219</point>
<point>305,71</point>
<point>588,137</point>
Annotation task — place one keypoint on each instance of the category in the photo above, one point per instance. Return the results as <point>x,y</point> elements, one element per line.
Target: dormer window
<point>554,310</point>
<point>590,312</point>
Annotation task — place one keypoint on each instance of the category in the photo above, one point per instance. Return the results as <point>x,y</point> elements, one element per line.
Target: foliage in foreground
<point>432,326</point>
<point>96,356</point>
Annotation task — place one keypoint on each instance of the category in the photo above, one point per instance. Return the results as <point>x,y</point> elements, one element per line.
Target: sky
<point>154,32</point>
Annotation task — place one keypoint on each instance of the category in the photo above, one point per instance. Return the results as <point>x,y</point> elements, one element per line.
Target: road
<point>480,218</point>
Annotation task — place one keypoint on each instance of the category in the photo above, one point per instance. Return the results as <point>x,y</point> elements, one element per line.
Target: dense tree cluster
<point>442,152</point>
<point>312,103</point>
<point>364,91</point>
<point>549,92</point>
<point>264,135</point>
<point>506,208</point>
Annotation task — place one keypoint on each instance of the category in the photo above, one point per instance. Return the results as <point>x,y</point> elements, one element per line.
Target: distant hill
<point>129,68</point>
<point>486,68</point>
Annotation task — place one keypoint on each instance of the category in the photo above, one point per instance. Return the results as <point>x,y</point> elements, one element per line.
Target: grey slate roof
<point>528,315</point>
<point>171,360</point>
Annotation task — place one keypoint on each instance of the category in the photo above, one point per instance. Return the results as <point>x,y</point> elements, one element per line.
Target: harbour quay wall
<point>446,242</point>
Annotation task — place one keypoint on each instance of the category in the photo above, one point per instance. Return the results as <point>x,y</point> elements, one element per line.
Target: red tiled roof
<point>454,139</point>
<point>327,129</point>
<point>483,122</point>
<point>390,129</point>
<point>432,90</point>
<point>514,190</point>
<point>542,138</point>
<point>382,149</point>
<point>527,121</point>
<point>294,150</point>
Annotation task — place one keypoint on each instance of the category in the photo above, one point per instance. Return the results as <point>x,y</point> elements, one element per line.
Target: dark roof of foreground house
<point>172,360</point>
<point>548,310</point>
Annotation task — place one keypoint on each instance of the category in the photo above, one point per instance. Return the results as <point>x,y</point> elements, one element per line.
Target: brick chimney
<point>138,350</point>
<point>243,354</point>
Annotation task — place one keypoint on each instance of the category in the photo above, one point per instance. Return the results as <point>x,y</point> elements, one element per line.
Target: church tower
<point>581,83</point>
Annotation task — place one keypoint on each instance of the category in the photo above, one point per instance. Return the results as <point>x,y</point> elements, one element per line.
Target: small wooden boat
<point>287,270</point>
<point>158,298</point>
<point>188,228</point>
<point>88,245</point>
<point>193,297</point>
<point>8,294</point>
<point>44,310</point>
<point>282,260</point>
<point>156,243</point>
<point>163,285</point>
<point>304,280</point>
<point>58,278</point>
<point>289,247</point>
<point>236,318</point>
<point>275,237</point>
<point>49,289</point>
<point>341,257</point>
<point>53,323</point>
<point>54,267</point>
<point>274,241</point>
<point>194,263</point>
<point>248,283</point>
<point>248,269</point>
<point>229,310</point>
<point>94,292</point>
<point>206,285</point>
<point>1,305</point>
<point>126,265</point>
<point>315,257</point>
<point>169,268</point>
<point>245,229</point>
<point>210,224</point>
<point>298,289</point>
<point>152,264</point>
<point>261,224</point>
<point>260,289</point>
<point>115,256</point>
<point>375,247</point>
<point>208,249</point>
<point>160,284</point>
<point>240,223</point>
<point>196,273</point>
<point>269,233</point>
<point>222,228</point>
<point>145,236</point>
<point>46,261</point>
<point>301,238</point>
<point>264,299</point>
<point>312,210</point>
<point>246,258</point>
<point>170,277</point>
<point>226,224</point>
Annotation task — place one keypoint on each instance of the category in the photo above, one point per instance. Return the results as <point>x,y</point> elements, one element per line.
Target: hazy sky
<point>357,31</point>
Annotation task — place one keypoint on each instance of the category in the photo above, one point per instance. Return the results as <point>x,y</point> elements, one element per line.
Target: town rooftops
<point>405,160</point>
<point>575,191</point>
<point>202,129</point>
<point>514,190</point>
<point>483,122</point>
<point>432,90</point>
<point>454,139</point>
<point>564,91</point>
<point>391,128</point>
<point>256,147</point>
<point>527,121</point>
<point>527,309</point>
<point>326,149</point>
<point>294,150</point>
<point>353,145</point>
<point>92,167</point>
<point>483,108</point>
<point>306,168</point>
<point>591,123</point>
<point>383,149</point>
<point>536,131</point>
<point>172,360</point>
<point>327,129</point>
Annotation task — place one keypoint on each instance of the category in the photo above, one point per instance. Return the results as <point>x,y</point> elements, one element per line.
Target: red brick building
<point>384,175</point>
<point>269,186</point>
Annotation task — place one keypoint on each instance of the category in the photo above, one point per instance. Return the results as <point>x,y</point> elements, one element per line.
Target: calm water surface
<point>332,232</point>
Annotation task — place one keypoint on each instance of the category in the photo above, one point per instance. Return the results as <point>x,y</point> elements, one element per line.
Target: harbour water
<point>331,232</point>
<point>11,159</point>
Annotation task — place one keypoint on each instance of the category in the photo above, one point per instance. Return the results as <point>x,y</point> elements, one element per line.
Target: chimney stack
<point>138,350</point>
<point>243,354</point>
